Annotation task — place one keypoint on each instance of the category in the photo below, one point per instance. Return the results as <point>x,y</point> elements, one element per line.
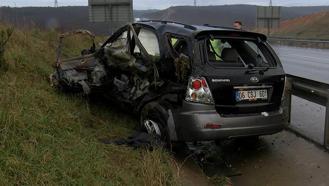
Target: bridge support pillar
<point>326,131</point>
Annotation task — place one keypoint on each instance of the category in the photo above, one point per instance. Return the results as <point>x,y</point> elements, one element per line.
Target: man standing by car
<point>237,25</point>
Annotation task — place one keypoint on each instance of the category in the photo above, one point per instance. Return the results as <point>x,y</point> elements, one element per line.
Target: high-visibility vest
<point>217,46</point>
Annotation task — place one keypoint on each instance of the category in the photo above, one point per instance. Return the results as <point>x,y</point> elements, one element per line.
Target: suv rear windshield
<point>238,52</point>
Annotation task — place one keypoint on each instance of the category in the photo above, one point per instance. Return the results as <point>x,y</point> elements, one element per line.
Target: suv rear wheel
<point>153,121</point>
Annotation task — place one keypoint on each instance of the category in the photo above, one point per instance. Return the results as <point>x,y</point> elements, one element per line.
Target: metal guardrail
<point>306,43</point>
<point>313,91</point>
<point>300,40</point>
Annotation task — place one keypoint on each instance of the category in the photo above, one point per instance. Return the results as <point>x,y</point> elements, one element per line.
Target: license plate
<point>251,95</point>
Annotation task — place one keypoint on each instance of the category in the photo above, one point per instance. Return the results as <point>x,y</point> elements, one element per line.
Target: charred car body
<point>186,83</point>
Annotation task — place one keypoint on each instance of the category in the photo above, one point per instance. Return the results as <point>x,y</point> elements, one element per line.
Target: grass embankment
<point>49,138</point>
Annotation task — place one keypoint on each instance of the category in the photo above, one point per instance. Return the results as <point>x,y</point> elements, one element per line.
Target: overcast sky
<point>161,4</point>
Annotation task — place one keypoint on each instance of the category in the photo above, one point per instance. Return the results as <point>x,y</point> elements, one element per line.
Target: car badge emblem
<point>254,79</point>
<point>221,80</point>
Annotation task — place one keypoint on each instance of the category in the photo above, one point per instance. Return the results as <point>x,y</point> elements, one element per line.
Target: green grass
<point>49,138</point>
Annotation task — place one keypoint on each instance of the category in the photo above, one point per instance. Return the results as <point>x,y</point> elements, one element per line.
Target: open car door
<point>130,58</point>
<point>79,73</point>
<point>124,67</point>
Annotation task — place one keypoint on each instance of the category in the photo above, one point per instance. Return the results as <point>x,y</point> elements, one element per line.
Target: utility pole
<point>0,12</point>
<point>195,3</point>
<point>56,4</point>
<point>15,14</point>
<point>270,21</point>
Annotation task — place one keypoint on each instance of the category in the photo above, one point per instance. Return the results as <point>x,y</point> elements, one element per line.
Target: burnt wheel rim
<point>152,127</point>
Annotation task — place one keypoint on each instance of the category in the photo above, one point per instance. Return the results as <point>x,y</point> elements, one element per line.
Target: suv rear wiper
<point>262,71</point>
<point>252,70</point>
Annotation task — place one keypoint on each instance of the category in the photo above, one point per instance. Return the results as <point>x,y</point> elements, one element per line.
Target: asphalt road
<point>304,62</point>
<point>282,159</point>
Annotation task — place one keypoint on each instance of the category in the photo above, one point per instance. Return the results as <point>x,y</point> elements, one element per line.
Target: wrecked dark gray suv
<point>185,83</point>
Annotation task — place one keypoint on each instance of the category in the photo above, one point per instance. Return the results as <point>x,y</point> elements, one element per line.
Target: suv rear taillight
<point>198,91</point>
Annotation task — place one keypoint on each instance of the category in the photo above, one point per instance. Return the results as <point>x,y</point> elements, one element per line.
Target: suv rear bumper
<point>191,119</point>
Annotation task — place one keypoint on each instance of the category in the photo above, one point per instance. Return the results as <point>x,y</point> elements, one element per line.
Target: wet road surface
<point>305,62</point>
<point>282,159</point>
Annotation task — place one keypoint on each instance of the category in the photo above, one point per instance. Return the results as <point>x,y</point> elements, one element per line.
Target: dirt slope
<point>310,26</point>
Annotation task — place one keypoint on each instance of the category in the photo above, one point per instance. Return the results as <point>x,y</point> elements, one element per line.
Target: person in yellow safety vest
<point>173,41</point>
<point>216,47</point>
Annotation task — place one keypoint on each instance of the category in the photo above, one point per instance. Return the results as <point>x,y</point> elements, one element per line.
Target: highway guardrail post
<point>326,131</point>
<point>289,98</point>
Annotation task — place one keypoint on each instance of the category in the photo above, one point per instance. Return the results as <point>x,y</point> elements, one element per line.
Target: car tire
<point>153,121</point>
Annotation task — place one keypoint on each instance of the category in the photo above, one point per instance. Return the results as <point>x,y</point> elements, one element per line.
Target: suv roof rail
<point>172,22</point>
<point>216,26</point>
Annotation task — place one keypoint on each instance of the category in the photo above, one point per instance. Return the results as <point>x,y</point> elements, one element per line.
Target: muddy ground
<point>282,159</point>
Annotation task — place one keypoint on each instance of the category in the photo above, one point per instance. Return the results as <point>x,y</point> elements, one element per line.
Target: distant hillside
<point>314,26</point>
<point>63,18</point>
<point>216,15</point>
<point>68,18</point>
<point>225,15</point>
<point>144,13</point>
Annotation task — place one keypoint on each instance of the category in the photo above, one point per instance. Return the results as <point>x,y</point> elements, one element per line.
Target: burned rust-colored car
<point>186,83</point>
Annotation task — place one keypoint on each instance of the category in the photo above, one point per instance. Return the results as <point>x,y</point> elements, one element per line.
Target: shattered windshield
<point>237,52</point>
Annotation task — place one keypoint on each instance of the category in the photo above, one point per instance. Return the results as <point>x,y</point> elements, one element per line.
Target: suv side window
<point>150,42</point>
<point>180,62</point>
<point>178,45</point>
